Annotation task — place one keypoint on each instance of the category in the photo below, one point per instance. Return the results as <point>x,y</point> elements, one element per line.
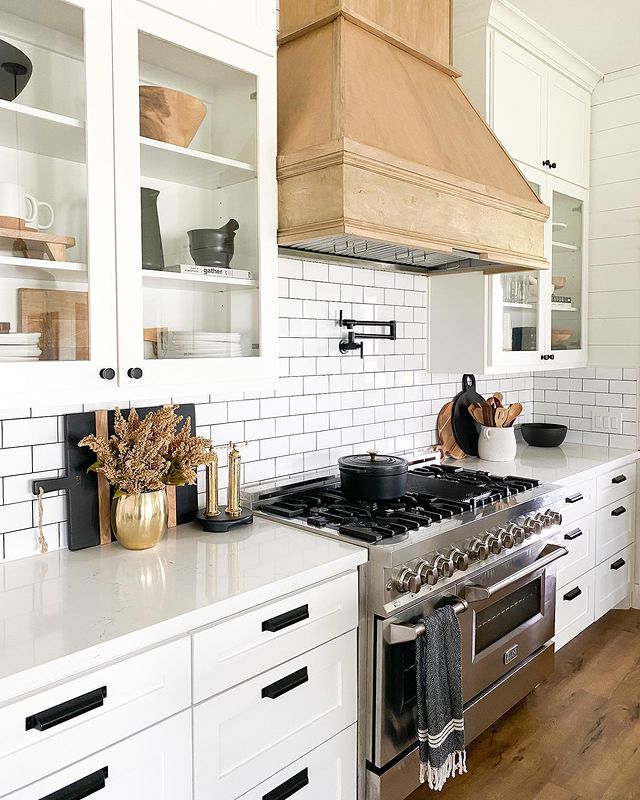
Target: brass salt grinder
<point>212,518</point>
<point>212,508</point>
<point>233,508</point>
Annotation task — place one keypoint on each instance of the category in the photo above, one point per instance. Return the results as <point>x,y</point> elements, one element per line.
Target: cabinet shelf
<point>163,280</point>
<point>33,130</point>
<point>41,270</point>
<point>562,307</point>
<point>191,167</point>
<point>572,248</point>
<point>559,226</point>
<point>519,305</point>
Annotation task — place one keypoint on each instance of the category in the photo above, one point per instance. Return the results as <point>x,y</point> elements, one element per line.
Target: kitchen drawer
<point>151,765</point>
<point>247,644</point>
<point>326,773</point>
<point>614,580</point>
<point>579,501</point>
<point>88,713</point>
<point>615,527</point>
<point>244,735</point>
<point>580,540</point>
<point>575,608</point>
<point>616,484</point>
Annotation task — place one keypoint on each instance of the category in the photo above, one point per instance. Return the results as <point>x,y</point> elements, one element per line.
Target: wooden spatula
<point>475,409</point>
<point>500,415</point>
<point>499,397</point>
<point>513,411</point>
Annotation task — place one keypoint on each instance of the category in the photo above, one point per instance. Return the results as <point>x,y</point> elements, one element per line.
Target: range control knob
<point>445,566</point>
<point>544,519</point>
<point>518,532</point>
<point>554,516</point>
<point>493,543</point>
<point>506,537</point>
<point>531,526</point>
<point>460,559</point>
<point>407,581</point>
<point>479,550</point>
<point>427,573</point>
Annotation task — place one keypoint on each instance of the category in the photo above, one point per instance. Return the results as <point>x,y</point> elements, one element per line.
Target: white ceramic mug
<point>15,202</point>
<point>497,444</point>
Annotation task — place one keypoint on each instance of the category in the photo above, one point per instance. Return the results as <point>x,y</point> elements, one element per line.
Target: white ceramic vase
<point>497,444</point>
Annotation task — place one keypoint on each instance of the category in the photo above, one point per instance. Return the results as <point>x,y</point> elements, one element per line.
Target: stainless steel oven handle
<point>409,633</point>
<point>474,593</point>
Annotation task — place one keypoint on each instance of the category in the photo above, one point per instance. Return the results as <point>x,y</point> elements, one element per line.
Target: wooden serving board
<point>62,319</point>
<point>30,243</point>
<point>89,494</point>
<point>448,444</point>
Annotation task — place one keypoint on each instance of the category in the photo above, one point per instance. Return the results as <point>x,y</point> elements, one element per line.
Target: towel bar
<point>409,633</point>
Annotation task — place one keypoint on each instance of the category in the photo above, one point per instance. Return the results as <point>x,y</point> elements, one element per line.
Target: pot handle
<point>468,382</point>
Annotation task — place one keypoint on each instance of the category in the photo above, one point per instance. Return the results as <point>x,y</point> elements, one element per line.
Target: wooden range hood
<point>381,155</point>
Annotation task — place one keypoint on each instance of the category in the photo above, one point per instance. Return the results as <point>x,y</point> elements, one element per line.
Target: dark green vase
<point>152,255</point>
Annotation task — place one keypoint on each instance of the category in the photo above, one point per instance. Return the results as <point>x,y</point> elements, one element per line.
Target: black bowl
<point>543,434</point>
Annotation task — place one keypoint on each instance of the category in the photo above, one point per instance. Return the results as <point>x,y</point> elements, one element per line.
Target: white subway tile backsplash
<point>17,432</point>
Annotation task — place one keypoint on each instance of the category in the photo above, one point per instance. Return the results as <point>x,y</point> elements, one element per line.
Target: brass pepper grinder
<point>211,518</point>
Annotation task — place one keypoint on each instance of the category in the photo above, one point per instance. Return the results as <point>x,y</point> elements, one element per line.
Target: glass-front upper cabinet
<point>196,213</point>
<point>57,274</point>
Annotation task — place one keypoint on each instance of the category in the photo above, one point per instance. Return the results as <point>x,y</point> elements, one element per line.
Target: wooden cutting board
<point>29,243</point>
<point>62,319</point>
<point>448,444</point>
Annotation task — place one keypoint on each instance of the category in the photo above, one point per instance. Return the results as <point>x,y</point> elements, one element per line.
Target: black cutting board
<point>465,429</point>
<point>82,494</point>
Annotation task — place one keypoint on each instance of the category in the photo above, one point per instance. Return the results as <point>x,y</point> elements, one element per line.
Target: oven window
<point>507,614</point>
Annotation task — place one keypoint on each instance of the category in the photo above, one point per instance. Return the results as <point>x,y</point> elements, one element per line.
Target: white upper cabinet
<point>568,129</point>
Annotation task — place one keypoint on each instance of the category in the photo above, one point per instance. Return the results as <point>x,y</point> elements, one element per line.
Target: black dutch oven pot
<point>370,476</point>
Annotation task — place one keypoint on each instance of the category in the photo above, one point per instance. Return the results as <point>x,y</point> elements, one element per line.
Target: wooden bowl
<point>559,282</point>
<point>170,116</point>
<point>560,336</point>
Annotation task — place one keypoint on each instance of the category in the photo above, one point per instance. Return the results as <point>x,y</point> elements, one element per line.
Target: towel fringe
<point>436,777</point>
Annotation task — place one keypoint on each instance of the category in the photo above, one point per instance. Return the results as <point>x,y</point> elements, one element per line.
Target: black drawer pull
<point>82,788</point>
<point>575,498</point>
<point>618,511</point>
<point>285,620</point>
<point>572,594</point>
<point>56,715</point>
<point>285,685</point>
<point>573,535</point>
<point>619,479</point>
<point>618,564</point>
<point>289,787</point>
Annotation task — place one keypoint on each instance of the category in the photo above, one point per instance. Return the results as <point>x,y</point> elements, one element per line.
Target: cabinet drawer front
<point>614,580</point>
<point>151,765</point>
<point>578,502</point>
<point>615,527</point>
<point>328,772</point>
<point>244,734</point>
<point>616,484</point>
<point>580,540</point>
<point>46,730</point>
<point>575,605</point>
<point>241,647</point>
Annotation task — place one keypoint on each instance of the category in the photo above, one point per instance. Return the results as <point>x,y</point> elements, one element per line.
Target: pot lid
<point>372,463</point>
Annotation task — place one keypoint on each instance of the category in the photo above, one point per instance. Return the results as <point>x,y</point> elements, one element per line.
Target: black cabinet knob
<point>108,373</point>
<point>553,165</point>
<point>546,163</point>
<point>134,372</point>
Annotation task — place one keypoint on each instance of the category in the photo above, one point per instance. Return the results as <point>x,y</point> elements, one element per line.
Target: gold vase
<point>139,521</point>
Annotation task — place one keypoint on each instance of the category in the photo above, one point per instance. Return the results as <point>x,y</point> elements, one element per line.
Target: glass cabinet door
<point>57,294</point>
<point>194,255</point>
<point>567,275</point>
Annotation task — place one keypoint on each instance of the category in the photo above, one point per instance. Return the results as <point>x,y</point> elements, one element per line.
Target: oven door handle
<point>474,593</point>
<point>409,633</point>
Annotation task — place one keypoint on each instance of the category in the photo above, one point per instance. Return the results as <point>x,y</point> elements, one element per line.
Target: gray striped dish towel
<point>440,720</point>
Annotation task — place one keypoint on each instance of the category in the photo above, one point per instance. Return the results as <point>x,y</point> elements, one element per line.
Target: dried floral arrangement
<point>146,454</point>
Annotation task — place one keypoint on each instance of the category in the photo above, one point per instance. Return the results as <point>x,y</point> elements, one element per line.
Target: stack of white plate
<point>19,347</point>
<point>202,344</point>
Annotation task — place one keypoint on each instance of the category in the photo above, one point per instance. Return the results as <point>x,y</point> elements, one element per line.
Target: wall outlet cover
<point>606,420</point>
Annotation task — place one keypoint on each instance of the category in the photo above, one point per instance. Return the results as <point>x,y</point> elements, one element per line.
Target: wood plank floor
<point>576,737</point>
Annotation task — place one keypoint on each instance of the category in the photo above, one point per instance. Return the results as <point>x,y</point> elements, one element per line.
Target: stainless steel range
<point>481,542</point>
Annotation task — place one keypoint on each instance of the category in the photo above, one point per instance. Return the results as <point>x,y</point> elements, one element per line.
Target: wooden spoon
<point>501,416</point>
<point>513,411</point>
<point>487,410</point>
<point>499,397</point>
<point>475,409</point>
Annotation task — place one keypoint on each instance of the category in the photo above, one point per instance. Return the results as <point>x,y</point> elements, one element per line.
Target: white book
<point>216,272</point>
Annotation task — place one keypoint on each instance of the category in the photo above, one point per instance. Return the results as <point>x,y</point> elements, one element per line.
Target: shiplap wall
<point>614,279</point>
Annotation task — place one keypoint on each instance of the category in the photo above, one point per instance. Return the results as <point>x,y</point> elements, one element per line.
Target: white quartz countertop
<point>558,465</point>
<point>64,612</point>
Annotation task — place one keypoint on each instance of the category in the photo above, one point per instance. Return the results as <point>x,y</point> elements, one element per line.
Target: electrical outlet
<point>606,420</point>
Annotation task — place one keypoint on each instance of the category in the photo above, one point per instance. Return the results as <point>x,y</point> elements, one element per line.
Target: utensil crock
<point>497,444</point>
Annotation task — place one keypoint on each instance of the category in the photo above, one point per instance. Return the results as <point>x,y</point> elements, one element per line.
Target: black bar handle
<point>285,685</point>
<point>618,511</point>
<point>90,784</point>
<point>575,498</point>
<point>572,594</point>
<point>56,715</point>
<point>573,535</point>
<point>289,787</point>
<point>619,479</point>
<point>618,564</point>
<point>285,620</point>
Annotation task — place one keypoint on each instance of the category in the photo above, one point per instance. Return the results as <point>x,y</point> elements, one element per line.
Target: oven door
<point>511,615</point>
